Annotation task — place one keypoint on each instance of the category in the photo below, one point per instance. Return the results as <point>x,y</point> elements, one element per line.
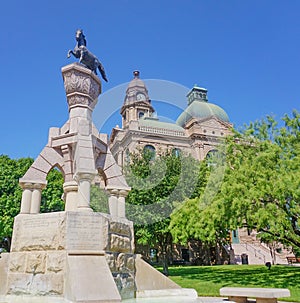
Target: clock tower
<point>136,103</point>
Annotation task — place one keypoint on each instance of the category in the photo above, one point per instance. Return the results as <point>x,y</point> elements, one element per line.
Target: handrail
<point>256,252</point>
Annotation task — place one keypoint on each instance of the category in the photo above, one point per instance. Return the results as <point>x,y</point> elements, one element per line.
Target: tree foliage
<point>269,168</point>
<point>52,194</point>
<point>198,218</point>
<point>157,186</point>
<point>260,187</point>
<point>10,191</point>
<point>99,199</point>
<point>11,171</point>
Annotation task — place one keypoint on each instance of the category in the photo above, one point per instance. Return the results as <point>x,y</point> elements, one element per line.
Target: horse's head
<point>79,34</point>
<point>80,38</point>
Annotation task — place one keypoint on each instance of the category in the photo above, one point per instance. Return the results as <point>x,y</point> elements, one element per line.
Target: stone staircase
<point>257,252</point>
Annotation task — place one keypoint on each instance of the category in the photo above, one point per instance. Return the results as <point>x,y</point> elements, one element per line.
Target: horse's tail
<point>102,71</point>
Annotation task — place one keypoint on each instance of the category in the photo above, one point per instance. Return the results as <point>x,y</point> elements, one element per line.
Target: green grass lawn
<point>207,280</point>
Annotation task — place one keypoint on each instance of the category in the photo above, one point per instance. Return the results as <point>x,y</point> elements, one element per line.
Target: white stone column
<point>201,151</point>
<point>121,203</point>
<point>26,198</point>
<point>71,195</point>
<point>113,202</point>
<point>120,158</point>
<point>36,199</point>
<point>84,190</point>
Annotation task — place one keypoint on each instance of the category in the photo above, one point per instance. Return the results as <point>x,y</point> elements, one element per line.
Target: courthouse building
<point>197,131</point>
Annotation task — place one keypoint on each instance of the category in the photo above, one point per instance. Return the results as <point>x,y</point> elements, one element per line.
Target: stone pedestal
<point>78,256</point>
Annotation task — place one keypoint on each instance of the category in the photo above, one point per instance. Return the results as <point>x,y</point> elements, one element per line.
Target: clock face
<point>140,97</point>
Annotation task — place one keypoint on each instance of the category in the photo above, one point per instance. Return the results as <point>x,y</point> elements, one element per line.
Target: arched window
<point>214,156</point>
<point>176,152</point>
<point>212,153</point>
<point>149,151</point>
<point>141,115</point>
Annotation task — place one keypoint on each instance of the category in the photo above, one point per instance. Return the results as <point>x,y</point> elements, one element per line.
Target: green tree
<point>10,192</point>
<point>52,194</point>
<point>260,187</point>
<point>99,199</point>
<point>197,218</point>
<point>157,186</point>
<point>263,184</point>
<point>11,171</point>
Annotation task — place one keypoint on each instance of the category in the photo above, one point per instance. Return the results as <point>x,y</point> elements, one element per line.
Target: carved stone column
<point>199,148</point>
<point>68,162</point>
<point>84,190</point>
<point>31,197</point>
<point>113,202</point>
<point>36,198</point>
<point>26,197</point>
<point>120,157</point>
<point>121,203</point>
<point>71,195</point>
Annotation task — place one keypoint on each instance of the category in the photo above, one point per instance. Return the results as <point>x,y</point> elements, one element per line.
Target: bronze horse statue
<point>85,56</point>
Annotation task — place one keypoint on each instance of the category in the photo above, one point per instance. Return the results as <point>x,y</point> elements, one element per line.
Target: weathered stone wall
<point>120,256</point>
<point>42,244</point>
<point>4,257</point>
<point>36,273</point>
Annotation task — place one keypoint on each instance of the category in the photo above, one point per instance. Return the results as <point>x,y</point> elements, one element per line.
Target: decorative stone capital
<point>31,185</point>
<point>82,86</point>
<point>70,186</point>
<point>39,186</point>
<point>84,176</point>
<point>123,193</point>
<point>112,191</point>
<point>118,192</point>
<point>26,185</point>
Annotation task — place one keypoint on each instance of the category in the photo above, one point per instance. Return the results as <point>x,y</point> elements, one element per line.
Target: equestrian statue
<point>85,56</point>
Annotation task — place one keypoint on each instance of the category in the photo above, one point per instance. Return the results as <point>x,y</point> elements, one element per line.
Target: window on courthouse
<point>215,157</point>
<point>176,152</point>
<point>149,151</point>
<point>141,115</point>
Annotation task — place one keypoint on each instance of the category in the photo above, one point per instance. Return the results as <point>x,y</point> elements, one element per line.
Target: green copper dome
<point>199,108</point>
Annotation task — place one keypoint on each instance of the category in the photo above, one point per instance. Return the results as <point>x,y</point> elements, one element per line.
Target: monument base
<point>77,257</point>
<point>80,256</point>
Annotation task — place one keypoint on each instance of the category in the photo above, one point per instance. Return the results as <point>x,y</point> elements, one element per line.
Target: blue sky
<point>246,53</point>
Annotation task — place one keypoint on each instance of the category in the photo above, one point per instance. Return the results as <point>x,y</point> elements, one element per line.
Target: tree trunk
<point>272,252</point>
<point>165,264</point>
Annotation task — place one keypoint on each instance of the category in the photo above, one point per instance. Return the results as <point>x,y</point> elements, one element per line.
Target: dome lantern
<point>197,94</point>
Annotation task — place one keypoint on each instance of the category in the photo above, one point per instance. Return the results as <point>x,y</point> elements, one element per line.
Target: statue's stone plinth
<point>82,86</point>
<point>75,255</point>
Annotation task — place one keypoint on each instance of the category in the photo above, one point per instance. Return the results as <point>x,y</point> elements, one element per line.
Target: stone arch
<point>34,179</point>
<point>215,156</point>
<point>211,152</point>
<point>40,168</point>
<point>110,171</point>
